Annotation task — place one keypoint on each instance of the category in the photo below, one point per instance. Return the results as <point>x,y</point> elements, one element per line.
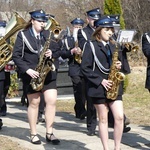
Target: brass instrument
<point>45,65</point>
<point>78,57</point>
<point>131,47</point>
<point>15,24</point>
<point>115,76</point>
<point>53,26</point>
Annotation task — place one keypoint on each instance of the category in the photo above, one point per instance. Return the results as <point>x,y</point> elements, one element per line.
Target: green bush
<point>126,83</point>
<point>14,86</point>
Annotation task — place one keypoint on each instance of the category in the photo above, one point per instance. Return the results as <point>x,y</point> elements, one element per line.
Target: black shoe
<point>83,115</point>
<point>127,121</point>
<point>51,138</point>
<point>3,113</point>
<point>42,120</point>
<point>91,133</point>
<point>32,139</point>
<point>126,129</point>
<point>78,116</point>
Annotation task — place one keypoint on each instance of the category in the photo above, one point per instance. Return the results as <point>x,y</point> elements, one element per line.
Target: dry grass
<point>136,99</point>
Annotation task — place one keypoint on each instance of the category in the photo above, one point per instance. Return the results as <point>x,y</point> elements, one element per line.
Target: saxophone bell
<point>119,76</point>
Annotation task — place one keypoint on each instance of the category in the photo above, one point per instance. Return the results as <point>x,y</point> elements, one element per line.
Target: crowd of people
<point>89,50</point>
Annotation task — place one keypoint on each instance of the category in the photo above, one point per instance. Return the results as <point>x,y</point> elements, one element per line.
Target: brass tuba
<point>53,26</point>
<point>15,24</point>
<point>115,76</point>
<point>44,65</point>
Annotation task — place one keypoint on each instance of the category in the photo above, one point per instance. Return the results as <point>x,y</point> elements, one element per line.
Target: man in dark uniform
<point>146,51</point>
<point>2,79</point>
<point>70,49</point>
<point>4,82</point>
<point>84,35</point>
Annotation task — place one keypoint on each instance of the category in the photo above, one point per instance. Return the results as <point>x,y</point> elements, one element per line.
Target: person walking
<point>71,51</point>
<point>96,68</point>
<point>27,51</point>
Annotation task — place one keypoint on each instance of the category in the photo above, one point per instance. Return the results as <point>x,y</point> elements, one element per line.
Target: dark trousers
<point>24,98</point>
<point>1,93</point>
<point>91,111</point>
<point>4,87</point>
<point>42,105</point>
<point>78,96</point>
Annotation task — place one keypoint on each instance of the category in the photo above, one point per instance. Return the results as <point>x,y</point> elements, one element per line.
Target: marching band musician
<point>27,50</point>
<point>125,68</point>
<point>146,51</point>
<point>69,50</point>
<point>96,69</point>
<point>84,35</point>
<point>4,81</point>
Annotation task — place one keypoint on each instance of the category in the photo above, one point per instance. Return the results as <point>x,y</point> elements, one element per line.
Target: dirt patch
<point>7,144</point>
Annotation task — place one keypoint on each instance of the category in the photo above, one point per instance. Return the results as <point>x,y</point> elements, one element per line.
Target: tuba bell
<point>53,26</point>
<point>15,24</point>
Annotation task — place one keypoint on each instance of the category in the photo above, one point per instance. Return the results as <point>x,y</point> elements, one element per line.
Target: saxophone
<point>44,65</point>
<point>15,24</point>
<point>115,76</point>
<point>78,57</point>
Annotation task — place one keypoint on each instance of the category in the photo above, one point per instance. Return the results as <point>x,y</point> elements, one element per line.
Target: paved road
<point>71,131</point>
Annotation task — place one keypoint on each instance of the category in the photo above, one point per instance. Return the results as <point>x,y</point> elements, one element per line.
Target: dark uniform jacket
<point>25,58</point>
<point>146,51</point>
<point>125,68</point>
<point>88,31</point>
<point>74,67</point>
<point>93,74</point>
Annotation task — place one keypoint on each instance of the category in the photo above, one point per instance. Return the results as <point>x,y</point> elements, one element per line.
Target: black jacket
<point>93,74</point>
<point>146,51</point>
<point>24,58</point>
<point>74,67</point>
<point>82,40</point>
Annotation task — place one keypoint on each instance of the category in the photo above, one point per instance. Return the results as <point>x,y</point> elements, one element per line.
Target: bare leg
<point>118,125</point>
<point>34,100</point>
<point>102,110</point>
<point>50,97</point>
